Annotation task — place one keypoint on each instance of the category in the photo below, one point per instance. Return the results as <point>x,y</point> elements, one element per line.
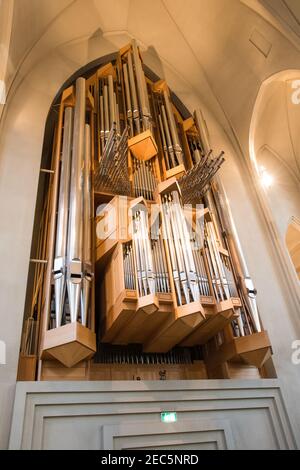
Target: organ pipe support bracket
<point>177,172</point>
<point>90,102</point>
<point>160,86</point>
<point>125,49</point>
<point>106,70</point>
<point>167,186</point>
<point>38,261</point>
<point>68,97</point>
<point>45,170</point>
<point>189,124</point>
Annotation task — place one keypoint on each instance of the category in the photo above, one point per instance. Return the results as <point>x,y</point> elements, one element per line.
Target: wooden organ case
<point>135,273</point>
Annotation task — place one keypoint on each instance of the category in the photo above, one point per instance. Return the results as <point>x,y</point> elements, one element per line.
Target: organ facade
<point>135,271</point>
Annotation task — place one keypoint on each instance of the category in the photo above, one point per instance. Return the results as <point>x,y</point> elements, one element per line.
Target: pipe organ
<point>135,263</point>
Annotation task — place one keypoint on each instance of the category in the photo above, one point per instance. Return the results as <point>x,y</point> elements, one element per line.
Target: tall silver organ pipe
<point>173,128</point>
<point>136,114</point>
<point>112,113</point>
<point>184,237</point>
<point>217,268</point>
<point>108,110</point>
<point>102,125</point>
<point>141,88</point>
<point>128,98</point>
<point>164,142</point>
<point>136,93</point>
<point>59,270</point>
<point>87,229</point>
<point>168,137</point>
<point>74,272</point>
<point>168,131</point>
<point>248,283</point>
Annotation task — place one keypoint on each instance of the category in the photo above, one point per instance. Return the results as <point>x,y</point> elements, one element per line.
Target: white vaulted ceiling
<point>277,123</point>
<point>276,144</point>
<point>222,50</point>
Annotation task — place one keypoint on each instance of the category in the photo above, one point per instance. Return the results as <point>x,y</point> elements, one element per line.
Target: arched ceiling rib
<point>277,121</point>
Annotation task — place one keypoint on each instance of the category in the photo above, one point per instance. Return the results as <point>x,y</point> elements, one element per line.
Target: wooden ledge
<point>168,186</point>
<point>69,344</point>
<point>148,304</point>
<point>253,349</point>
<point>143,146</point>
<point>177,171</point>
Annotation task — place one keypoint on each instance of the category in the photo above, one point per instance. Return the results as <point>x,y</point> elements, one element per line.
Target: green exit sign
<point>168,417</point>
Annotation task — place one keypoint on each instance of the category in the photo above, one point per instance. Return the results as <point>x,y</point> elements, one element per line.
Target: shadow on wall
<point>292,240</point>
<point>153,61</point>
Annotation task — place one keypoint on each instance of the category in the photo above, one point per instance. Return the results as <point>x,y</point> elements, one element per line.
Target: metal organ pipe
<point>102,125</point>
<point>164,143</point>
<point>136,114</point>
<point>187,249</point>
<point>106,112</point>
<point>74,276</point>
<point>181,256</point>
<point>59,270</point>
<point>87,229</point>
<point>117,116</point>
<point>168,136</point>
<point>249,286</point>
<point>112,113</point>
<point>141,88</point>
<point>128,98</point>
<point>143,253</point>
<point>202,129</point>
<point>196,151</point>
<point>173,128</point>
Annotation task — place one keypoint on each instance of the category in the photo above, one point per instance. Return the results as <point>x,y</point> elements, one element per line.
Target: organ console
<point>140,267</point>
